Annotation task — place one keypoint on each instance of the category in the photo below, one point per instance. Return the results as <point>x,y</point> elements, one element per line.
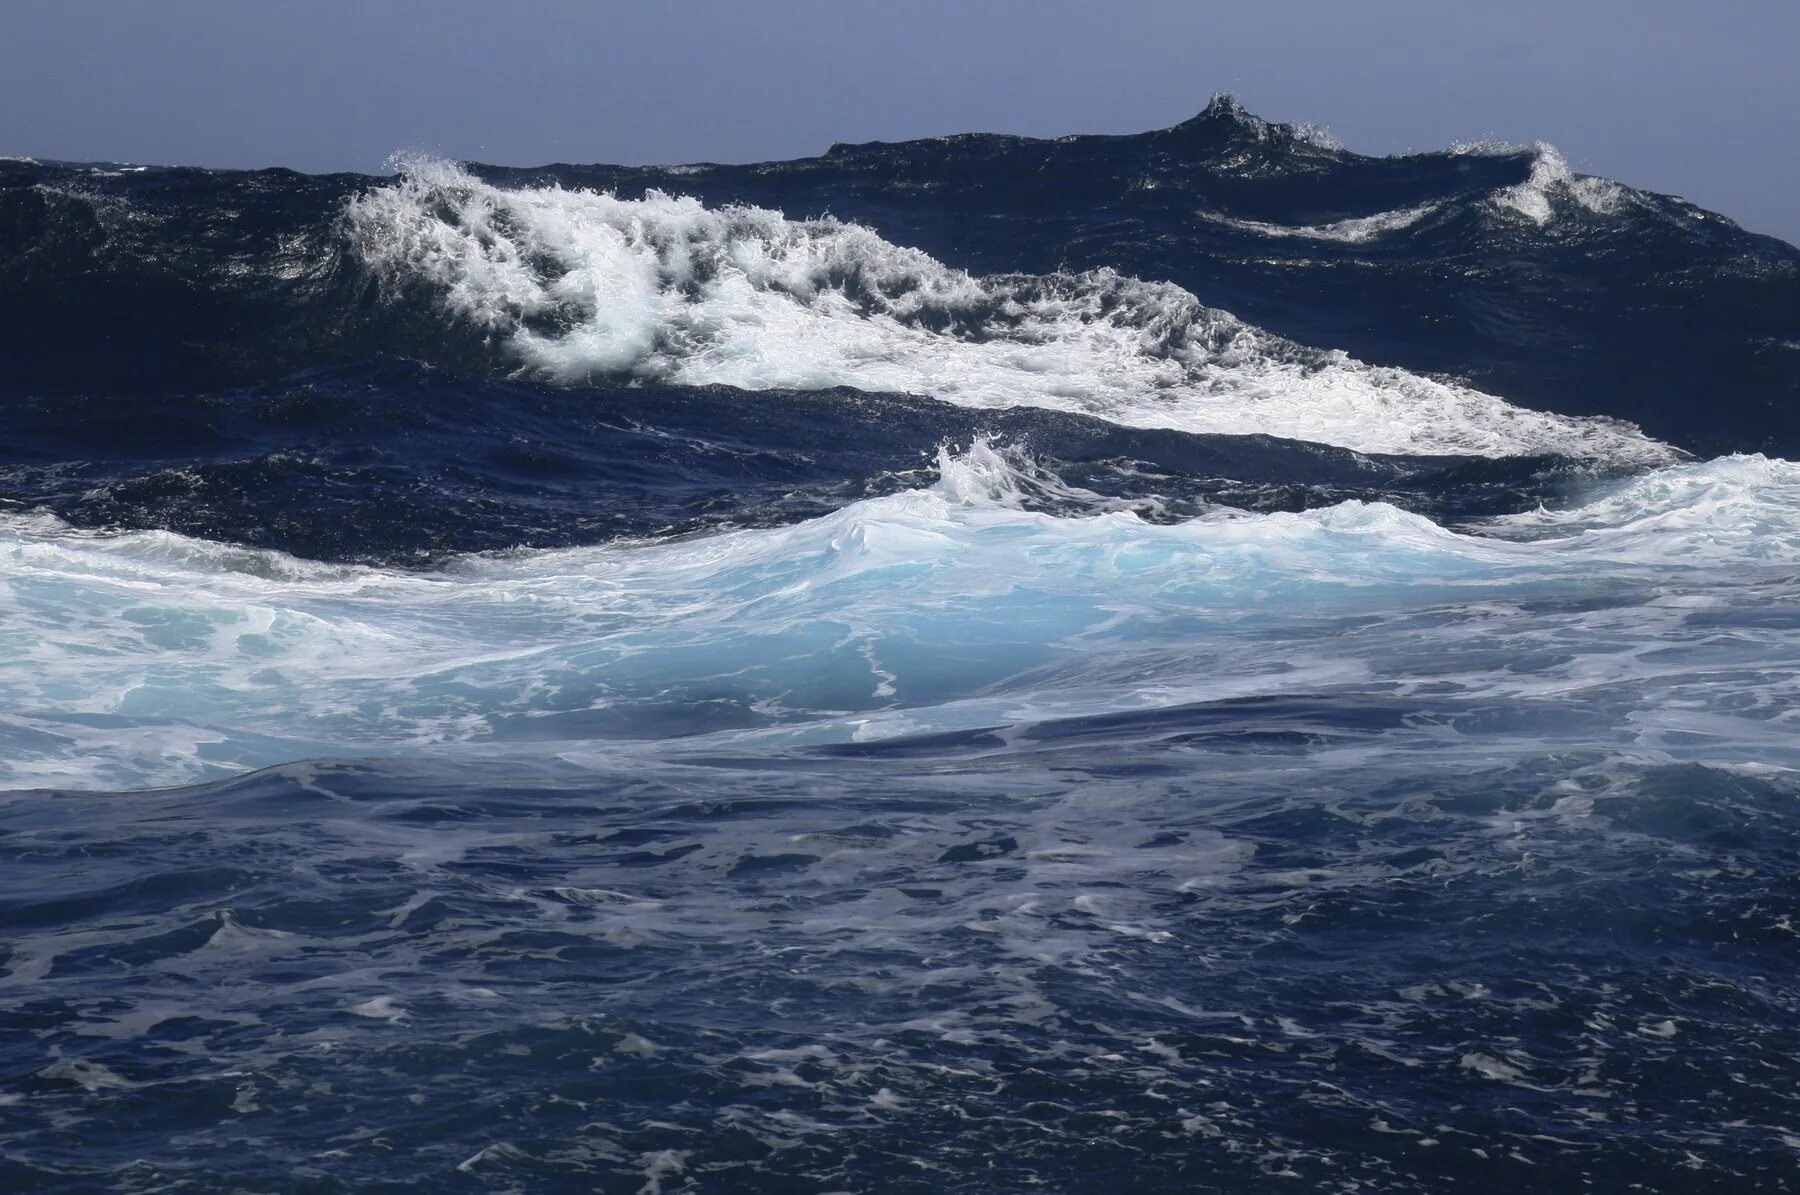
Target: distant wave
<point>583,284</point>
<point>1102,287</point>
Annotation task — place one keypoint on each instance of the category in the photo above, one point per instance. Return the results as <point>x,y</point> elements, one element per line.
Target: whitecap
<point>579,284</point>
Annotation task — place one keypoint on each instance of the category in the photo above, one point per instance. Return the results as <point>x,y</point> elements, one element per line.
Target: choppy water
<point>1199,661</point>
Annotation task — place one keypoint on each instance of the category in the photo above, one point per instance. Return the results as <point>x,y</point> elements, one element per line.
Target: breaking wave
<point>583,285</point>
<point>151,658</point>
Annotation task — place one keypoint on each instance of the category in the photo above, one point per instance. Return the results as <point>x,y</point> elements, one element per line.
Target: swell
<point>1496,265</point>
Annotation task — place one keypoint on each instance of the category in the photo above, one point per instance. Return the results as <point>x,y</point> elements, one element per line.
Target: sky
<point>1699,100</point>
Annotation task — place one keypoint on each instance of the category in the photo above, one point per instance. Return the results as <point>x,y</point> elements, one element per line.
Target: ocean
<point>1194,661</point>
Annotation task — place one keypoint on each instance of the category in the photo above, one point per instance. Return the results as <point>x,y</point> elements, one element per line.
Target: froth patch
<point>1358,230</point>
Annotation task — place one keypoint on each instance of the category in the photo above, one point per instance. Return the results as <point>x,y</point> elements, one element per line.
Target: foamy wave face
<point>578,284</point>
<point>1740,508</point>
<point>150,658</point>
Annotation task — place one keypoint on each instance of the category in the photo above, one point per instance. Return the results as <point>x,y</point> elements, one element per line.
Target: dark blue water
<point>1195,661</point>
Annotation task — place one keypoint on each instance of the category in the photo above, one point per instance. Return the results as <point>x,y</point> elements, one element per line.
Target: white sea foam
<point>578,284</point>
<point>1358,230</point>
<point>1735,508</point>
<point>151,658</point>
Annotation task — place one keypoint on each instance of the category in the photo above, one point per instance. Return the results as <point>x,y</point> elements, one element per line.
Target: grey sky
<point>1702,100</point>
